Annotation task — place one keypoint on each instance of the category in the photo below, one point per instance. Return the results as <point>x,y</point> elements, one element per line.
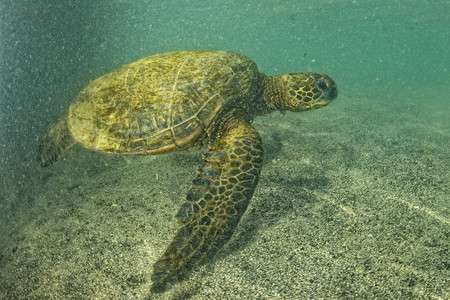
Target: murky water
<point>370,171</point>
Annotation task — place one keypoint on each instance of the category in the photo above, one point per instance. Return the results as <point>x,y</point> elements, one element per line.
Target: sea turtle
<point>181,101</point>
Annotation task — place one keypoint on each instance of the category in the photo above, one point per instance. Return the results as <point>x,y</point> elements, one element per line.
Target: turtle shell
<point>161,103</point>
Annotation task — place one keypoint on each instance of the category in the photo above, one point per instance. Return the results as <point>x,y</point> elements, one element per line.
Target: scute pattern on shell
<point>160,103</point>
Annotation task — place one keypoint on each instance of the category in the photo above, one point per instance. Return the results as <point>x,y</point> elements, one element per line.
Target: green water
<point>379,153</point>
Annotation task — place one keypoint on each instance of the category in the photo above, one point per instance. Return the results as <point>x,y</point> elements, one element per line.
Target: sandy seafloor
<point>353,202</point>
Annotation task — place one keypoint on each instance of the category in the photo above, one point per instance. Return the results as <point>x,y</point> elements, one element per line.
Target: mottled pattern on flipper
<point>216,200</point>
<point>55,141</point>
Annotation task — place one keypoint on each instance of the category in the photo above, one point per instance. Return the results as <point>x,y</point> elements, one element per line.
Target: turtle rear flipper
<point>215,202</point>
<point>56,140</point>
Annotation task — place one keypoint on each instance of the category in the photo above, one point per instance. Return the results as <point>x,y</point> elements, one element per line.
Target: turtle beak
<point>328,88</point>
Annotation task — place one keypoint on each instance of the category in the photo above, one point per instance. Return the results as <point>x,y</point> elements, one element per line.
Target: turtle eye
<point>321,85</point>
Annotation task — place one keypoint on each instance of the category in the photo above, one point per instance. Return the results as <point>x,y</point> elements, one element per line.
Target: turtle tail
<point>56,140</point>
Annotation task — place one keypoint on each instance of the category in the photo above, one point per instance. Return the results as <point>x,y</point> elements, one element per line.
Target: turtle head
<point>302,91</point>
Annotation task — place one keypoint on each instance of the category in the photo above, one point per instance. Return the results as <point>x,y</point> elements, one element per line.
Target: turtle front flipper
<point>56,140</point>
<point>215,202</point>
